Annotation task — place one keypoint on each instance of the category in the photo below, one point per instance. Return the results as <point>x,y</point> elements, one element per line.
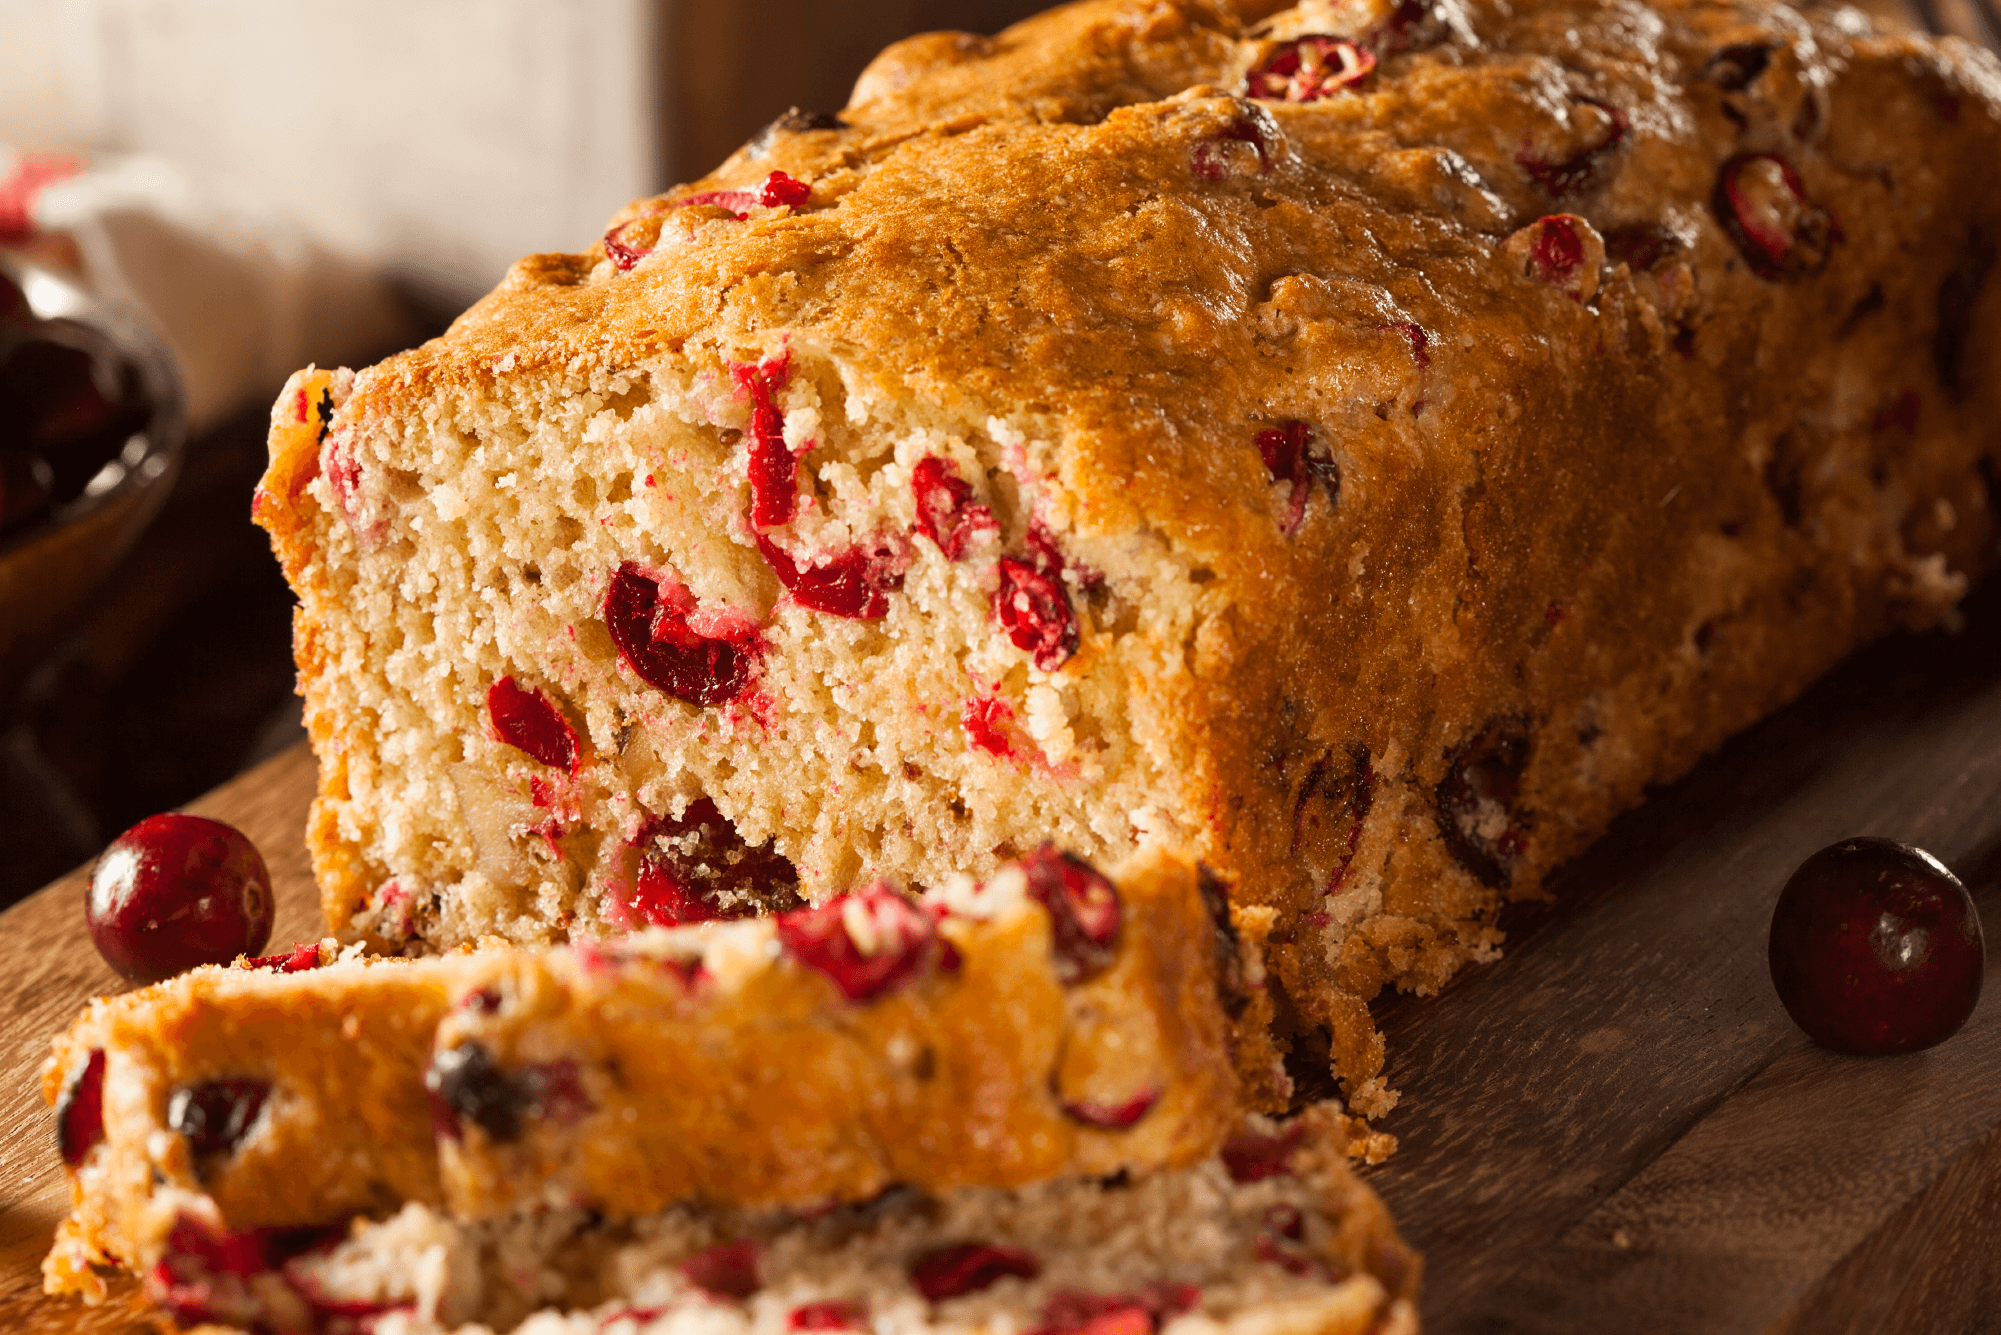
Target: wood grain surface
<point>1614,1128</point>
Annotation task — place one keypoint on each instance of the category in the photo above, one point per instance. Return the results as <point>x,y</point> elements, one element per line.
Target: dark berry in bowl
<point>1876,948</point>
<point>175,891</point>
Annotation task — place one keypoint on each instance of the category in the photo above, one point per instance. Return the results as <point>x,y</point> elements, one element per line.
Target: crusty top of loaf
<point>1015,222</point>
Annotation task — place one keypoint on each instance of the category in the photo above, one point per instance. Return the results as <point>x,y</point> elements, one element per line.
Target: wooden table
<point>1615,1128</point>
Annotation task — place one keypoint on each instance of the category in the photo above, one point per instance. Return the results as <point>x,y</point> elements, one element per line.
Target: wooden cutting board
<point>1615,1128</point>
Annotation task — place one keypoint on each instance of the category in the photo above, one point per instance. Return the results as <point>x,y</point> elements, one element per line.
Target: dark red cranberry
<point>1900,414</point>
<point>210,1275</point>
<point>1233,988</point>
<point>855,583</point>
<point>525,718</point>
<point>469,1085</point>
<point>1115,1116</point>
<point>1562,250</point>
<point>1641,246</point>
<point>1253,1156</point>
<point>1764,209</point>
<point>986,719</point>
<point>1034,609</point>
<point>175,891</point>
<point>216,1115</point>
<point>899,940</point>
<point>946,511</point>
<point>304,956</point>
<point>1287,452</point>
<point>726,1270</point>
<point>649,624</point>
<point>969,1267</point>
<point>832,1315</point>
<point>1583,170</point>
<point>1309,68</point>
<point>1478,801</point>
<point>1084,911</point>
<point>1876,948</point>
<point>774,469</point>
<point>1214,158</point>
<point>1285,1221</point>
<point>686,861</point>
<point>630,242</point>
<point>1419,340</point>
<point>1734,67</point>
<point>776,191</point>
<point>80,1110</point>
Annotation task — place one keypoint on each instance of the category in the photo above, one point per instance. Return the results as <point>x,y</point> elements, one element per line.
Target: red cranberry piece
<point>216,1115</point>
<point>1309,68</point>
<point>1734,67</point>
<point>1285,1221</point>
<point>726,1270</point>
<point>465,1083</point>
<point>1084,911</point>
<point>1286,450</point>
<point>986,719</point>
<point>1071,1312</point>
<point>175,891</point>
<point>832,1315</point>
<point>870,942</point>
<point>1419,340</point>
<point>776,191</point>
<point>946,511</point>
<point>630,242</point>
<point>774,469</point>
<point>1562,250</point>
<point>1764,209</point>
<point>1583,170</point>
<point>1477,801</point>
<point>526,719</point>
<point>1115,1116</point>
<point>1876,948</point>
<point>1216,158</point>
<point>304,956</point>
<point>685,861</point>
<point>80,1110</point>
<point>655,641</point>
<point>855,583</point>
<point>1034,609</point>
<point>969,1267</point>
<point>1253,1156</point>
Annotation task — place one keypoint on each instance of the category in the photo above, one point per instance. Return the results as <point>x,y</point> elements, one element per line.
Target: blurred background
<point>214,192</point>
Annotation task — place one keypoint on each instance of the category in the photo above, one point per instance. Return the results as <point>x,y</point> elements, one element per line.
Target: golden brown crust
<point>1575,543</point>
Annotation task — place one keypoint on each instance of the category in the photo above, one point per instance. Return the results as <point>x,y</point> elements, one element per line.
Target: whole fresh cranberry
<point>175,891</point>
<point>1876,948</point>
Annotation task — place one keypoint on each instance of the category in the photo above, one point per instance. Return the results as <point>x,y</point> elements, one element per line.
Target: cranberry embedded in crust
<point>216,1115</point>
<point>1478,800</point>
<point>831,1315</point>
<point>855,583</point>
<point>969,1267</point>
<point>1084,912</point>
<point>1218,157</point>
<point>1309,68</point>
<point>726,1270</point>
<point>1253,1156</point>
<point>651,631</point>
<point>465,1083</point>
<point>303,956</point>
<point>175,891</point>
<point>1562,250</point>
<point>1073,1312</point>
<point>870,942</point>
<point>946,511</point>
<point>526,719</point>
<point>1763,207</point>
<point>685,861</point>
<point>1584,170</point>
<point>1288,457</point>
<point>1115,1116</point>
<point>1876,948</point>
<point>80,1110</point>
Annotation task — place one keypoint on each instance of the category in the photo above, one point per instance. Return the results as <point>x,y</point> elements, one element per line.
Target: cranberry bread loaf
<point>1272,1238</point>
<point>1041,1025</point>
<point>1365,444</point>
